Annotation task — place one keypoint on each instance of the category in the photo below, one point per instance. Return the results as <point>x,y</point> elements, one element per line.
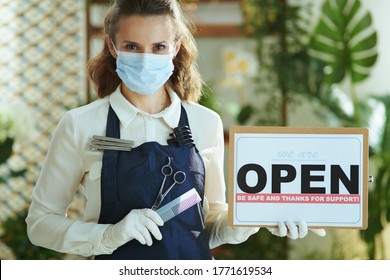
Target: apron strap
<point>183,117</point>
<point>109,194</point>
<point>184,122</point>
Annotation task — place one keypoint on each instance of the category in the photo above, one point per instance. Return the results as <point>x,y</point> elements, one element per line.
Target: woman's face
<point>146,34</point>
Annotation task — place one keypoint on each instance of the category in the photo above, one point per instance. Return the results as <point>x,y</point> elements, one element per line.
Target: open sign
<point>319,175</point>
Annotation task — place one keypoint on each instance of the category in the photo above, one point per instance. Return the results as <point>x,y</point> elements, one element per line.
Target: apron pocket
<point>200,222</point>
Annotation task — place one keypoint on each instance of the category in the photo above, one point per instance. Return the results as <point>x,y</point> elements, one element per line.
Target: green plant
<point>260,246</point>
<point>278,29</point>
<point>345,41</point>
<point>6,152</point>
<point>14,125</point>
<point>311,64</point>
<point>6,148</point>
<point>14,235</point>
<point>379,195</point>
<point>208,98</point>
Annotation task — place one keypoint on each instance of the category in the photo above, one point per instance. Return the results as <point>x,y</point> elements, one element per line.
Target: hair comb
<point>179,205</point>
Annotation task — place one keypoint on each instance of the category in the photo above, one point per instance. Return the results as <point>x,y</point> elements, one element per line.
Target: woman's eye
<point>131,47</point>
<point>160,47</point>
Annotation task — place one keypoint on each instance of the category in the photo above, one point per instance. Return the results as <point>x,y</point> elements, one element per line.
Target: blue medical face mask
<point>144,73</point>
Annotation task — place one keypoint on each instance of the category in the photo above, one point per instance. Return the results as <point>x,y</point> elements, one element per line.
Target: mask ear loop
<point>116,51</point>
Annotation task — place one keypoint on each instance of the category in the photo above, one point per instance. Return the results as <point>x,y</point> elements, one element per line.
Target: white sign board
<point>319,175</point>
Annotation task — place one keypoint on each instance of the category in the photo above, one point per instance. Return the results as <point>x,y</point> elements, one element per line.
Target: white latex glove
<point>139,224</point>
<point>293,231</point>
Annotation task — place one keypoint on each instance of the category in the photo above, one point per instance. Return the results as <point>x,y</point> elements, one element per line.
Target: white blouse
<point>70,163</point>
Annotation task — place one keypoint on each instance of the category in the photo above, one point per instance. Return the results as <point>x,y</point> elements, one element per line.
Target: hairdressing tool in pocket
<point>178,178</point>
<point>179,205</point>
<point>181,136</point>
<point>99,143</point>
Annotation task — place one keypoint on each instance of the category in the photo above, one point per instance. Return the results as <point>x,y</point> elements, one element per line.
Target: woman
<point>148,83</point>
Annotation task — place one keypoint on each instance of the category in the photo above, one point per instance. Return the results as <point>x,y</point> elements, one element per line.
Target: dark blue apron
<point>131,180</point>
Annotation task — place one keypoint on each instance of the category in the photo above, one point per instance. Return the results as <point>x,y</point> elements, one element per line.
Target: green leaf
<point>345,40</point>
<point>329,51</point>
<point>387,197</point>
<point>208,98</point>
<point>334,73</point>
<point>364,23</point>
<point>385,142</point>
<point>365,47</point>
<point>366,61</point>
<point>6,149</point>
<point>245,113</point>
<point>352,10</point>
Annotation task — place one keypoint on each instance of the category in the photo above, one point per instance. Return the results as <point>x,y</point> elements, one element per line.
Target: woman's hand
<point>293,231</point>
<point>139,224</point>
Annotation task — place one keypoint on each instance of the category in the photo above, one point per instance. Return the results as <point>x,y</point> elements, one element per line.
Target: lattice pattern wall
<point>42,65</point>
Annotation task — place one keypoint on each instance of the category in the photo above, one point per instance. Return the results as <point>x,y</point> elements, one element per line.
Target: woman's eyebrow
<point>138,44</point>
<point>131,42</point>
<point>162,42</point>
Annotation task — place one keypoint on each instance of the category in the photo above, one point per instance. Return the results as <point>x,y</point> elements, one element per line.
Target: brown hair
<point>185,80</point>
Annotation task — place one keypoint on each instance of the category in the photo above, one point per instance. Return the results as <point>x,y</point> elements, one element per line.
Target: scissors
<point>178,178</point>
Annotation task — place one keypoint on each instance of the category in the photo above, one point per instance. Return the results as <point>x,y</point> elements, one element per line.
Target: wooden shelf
<point>205,29</point>
<point>219,30</point>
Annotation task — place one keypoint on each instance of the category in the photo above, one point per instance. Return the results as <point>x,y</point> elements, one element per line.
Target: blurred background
<point>320,63</point>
